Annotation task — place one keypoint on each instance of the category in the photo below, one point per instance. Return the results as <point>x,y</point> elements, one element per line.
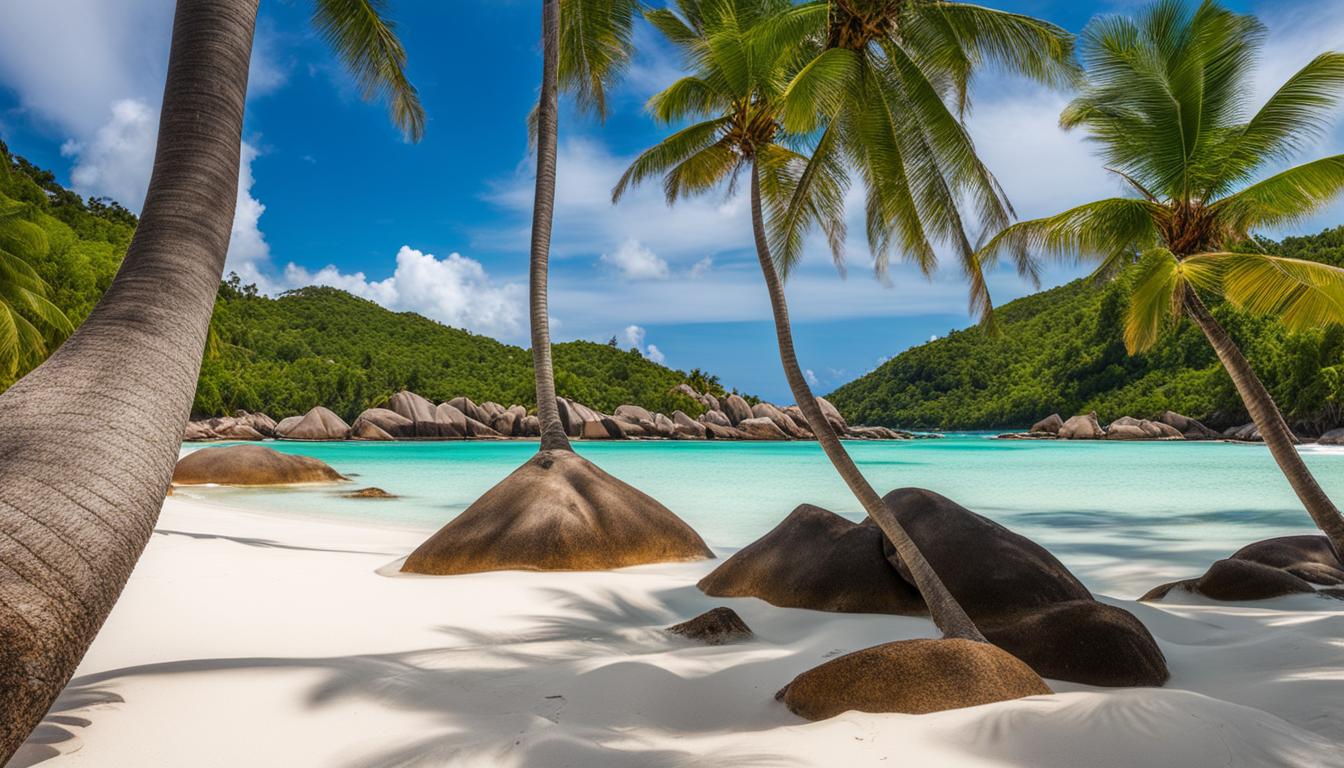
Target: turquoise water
<point>1123,516</point>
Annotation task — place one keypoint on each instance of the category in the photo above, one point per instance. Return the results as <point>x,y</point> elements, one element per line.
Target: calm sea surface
<point>1123,516</point>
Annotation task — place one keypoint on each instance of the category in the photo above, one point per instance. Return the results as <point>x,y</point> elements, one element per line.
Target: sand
<point>245,639</point>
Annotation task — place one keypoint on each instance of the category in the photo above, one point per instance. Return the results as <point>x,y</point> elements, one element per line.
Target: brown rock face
<point>989,569</point>
<point>369,493</point>
<point>736,409</point>
<point>558,512</point>
<point>912,677</point>
<point>781,419</point>
<point>317,424</point>
<point>819,560</point>
<point>387,421</point>
<point>1083,641</point>
<point>761,429</point>
<point>686,426</point>
<point>1082,428</point>
<point>250,465</point>
<point>1285,565</point>
<point>238,431</point>
<point>717,418</point>
<point>1050,425</point>
<point>1190,428</point>
<point>472,410</point>
<point>633,413</point>
<point>367,430</point>
<point>1310,558</point>
<point>714,627</point>
<point>832,414</point>
<point>1247,580</point>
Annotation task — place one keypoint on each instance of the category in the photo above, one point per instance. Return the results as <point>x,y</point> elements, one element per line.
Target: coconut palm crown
<point>29,322</point>
<point>1166,100</point>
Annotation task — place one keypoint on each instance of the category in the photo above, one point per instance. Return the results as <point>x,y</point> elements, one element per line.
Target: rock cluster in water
<point>408,416</point>
<point>1168,426</point>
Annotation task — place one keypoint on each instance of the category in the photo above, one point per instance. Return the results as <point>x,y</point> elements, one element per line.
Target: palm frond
<point>1284,197</point>
<point>595,48</point>
<point>1300,294</point>
<point>668,154</point>
<point>1096,231</point>
<point>365,39</point>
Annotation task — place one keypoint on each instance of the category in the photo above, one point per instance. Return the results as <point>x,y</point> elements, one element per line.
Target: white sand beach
<point>250,639</point>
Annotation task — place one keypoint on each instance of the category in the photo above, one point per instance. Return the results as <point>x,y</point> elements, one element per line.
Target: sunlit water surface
<point>1123,516</point>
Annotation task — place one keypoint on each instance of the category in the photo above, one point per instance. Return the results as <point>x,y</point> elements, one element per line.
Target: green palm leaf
<point>1284,197</point>
<point>1301,294</point>
<point>365,39</point>
<point>595,48</point>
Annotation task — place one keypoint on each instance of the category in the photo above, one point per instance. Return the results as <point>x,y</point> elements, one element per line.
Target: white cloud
<point>455,290</point>
<point>634,336</point>
<point>655,354</point>
<point>702,267</point>
<point>811,378</point>
<point>116,161</point>
<point>249,253</point>
<point>635,262</point>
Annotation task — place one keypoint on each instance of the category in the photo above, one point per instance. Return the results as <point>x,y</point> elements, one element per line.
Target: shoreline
<point>282,629</point>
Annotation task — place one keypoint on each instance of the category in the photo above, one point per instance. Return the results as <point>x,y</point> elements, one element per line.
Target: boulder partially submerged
<point>558,512</point>
<point>1085,427</point>
<point>1050,425</point>
<point>912,677</point>
<point>251,465</point>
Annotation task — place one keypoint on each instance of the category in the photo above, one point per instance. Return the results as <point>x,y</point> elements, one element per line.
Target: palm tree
<point>893,80</point>
<point>89,439</point>
<point>743,62</point>
<point>23,294</point>
<point>1165,99</point>
<point>585,46</point>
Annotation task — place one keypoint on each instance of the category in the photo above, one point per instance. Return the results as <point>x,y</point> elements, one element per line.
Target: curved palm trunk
<point>543,211</point>
<point>1278,437</point>
<point>89,439</point>
<point>943,608</point>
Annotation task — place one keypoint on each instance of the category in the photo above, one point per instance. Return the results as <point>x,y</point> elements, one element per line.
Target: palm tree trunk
<point>543,211</point>
<point>1278,437</point>
<point>943,608</point>
<point>89,439</point>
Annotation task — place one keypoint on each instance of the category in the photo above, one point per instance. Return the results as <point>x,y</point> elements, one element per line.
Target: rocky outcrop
<point>761,429</point>
<point>1050,425</point>
<point>1333,437</point>
<point>687,427</point>
<point>558,512</point>
<point>1082,428</point>
<point>1275,567</point>
<point>1248,433</point>
<point>833,416</point>
<point>715,417</point>
<point>716,626</point>
<point>369,493</point>
<point>1190,428</point>
<point>388,422</point>
<point>736,409</point>
<point>250,465</point>
<point>716,432</point>
<point>913,677</point>
<point>817,559</point>
<point>317,424</point>
<point>780,419</point>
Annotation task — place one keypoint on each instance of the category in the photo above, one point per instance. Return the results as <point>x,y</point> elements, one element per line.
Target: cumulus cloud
<point>117,160</point>
<point>634,336</point>
<point>655,354</point>
<point>702,267</point>
<point>455,290</point>
<point>811,378</point>
<point>635,262</point>
<point>249,253</point>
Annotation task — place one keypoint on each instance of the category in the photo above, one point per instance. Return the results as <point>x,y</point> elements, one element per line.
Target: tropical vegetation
<point>1165,98</point>
<point>1063,350</point>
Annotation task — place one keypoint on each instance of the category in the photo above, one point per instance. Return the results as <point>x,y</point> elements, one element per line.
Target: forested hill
<point>1062,351</point>
<point>323,346</point>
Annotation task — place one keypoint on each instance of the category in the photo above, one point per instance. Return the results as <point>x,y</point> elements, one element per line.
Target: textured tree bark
<point>947,614</point>
<point>89,439</point>
<point>543,212</point>
<point>1278,437</point>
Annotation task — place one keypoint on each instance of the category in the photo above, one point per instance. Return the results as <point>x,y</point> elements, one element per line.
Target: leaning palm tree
<point>559,511</point>
<point>743,61</point>
<point>89,439</point>
<point>28,319</point>
<point>1165,98</point>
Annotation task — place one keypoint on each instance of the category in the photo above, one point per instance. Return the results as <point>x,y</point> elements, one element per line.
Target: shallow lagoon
<point>1123,516</point>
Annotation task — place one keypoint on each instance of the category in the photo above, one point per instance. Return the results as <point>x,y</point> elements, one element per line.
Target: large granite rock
<point>736,409</point>
<point>558,512</point>
<point>233,429</point>
<point>284,425</point>
<point>1049,425</point>
<point>687,427</point>
<point>717,418</point>
<point>716,432</point>
<point>317,424</point>
<point>780,419</point>
<point>1082,641</point>
<point>1190,428</point>
<point>633,413</point>
<point>832,415</point>
<point>386,421</point>
<point>761,429</point>
<point>913,677</point>
<point>259,421</point>
<point>1130,428</point>
<point>250,465</point>
<point>664,425</point>
<point>367,430</point>
<point>1333,437</point>
<point>819,560</point>
<point>991,570</point>
<point>1286,565</point>
<point>1084,427</point>
<point>470,409</point>
<point>795,414</point>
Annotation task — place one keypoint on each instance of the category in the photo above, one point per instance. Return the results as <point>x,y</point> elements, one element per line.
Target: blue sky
<point>330,192</point>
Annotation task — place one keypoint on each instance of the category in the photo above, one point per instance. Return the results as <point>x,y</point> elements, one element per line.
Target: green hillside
<point>1061,350</point>
<point>321,346</point>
